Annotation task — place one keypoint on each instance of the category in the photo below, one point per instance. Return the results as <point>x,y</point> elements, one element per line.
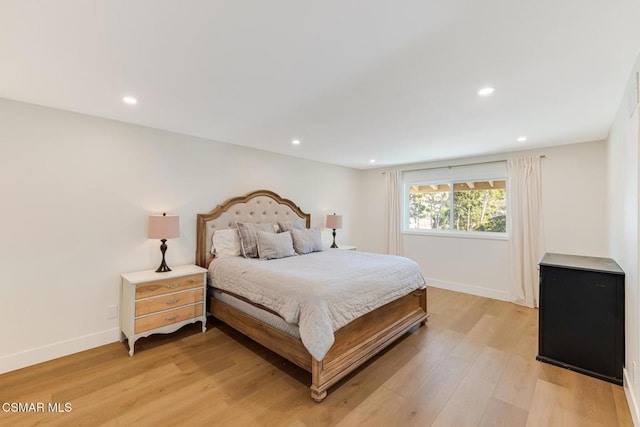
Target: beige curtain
<point>393,221</point>
<point>526,245</point>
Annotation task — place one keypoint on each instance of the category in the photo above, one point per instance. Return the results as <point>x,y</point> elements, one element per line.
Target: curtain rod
<point>542,156</point>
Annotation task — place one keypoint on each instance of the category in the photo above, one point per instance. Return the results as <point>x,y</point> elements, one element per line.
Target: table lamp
<point>163,227</point>
<point>334,221</point>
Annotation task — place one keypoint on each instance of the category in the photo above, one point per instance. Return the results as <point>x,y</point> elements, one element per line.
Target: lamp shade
<point>163,226</point>
<point>334,221</point>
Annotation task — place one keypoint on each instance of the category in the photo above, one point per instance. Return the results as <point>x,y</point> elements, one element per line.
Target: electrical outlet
<point>112,312</point>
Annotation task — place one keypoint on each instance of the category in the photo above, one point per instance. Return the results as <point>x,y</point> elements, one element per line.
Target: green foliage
<point>417,208</point>
<point>431,206</point>
<point>497,224</point>
<point>473,210</point>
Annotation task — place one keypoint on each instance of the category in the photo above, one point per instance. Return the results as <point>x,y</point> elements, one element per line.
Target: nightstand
<point>155,303</point>
<point>347,248</point>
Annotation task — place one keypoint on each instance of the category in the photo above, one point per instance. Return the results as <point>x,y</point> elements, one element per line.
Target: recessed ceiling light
<point>486,91</point>
<point>372,161</point>
<point>296,142</point>
<point>522,139</point>
<point>129,100</point>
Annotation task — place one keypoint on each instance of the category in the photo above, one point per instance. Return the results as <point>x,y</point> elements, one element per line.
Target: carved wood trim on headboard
<point>202,254</point>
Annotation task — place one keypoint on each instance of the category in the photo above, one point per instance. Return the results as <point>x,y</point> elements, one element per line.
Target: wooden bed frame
<point>355,343</point>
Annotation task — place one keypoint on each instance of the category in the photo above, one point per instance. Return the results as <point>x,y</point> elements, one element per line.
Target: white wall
<point>623,223</point>
<point>574,181</point>
<point>76,191</point>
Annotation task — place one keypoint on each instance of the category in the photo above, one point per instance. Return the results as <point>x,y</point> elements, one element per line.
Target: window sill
<point>460,234</point>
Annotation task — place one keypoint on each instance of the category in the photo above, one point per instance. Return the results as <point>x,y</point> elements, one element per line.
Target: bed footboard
<point>354,344</point>
<point>363,338</point>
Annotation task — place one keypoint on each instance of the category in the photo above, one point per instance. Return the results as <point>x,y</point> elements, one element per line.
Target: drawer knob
<point>174,317</point>
<point>175,285</point>
<point>172,301</point>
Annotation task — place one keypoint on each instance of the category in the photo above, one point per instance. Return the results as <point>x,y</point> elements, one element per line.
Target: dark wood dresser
<point>581,324</point>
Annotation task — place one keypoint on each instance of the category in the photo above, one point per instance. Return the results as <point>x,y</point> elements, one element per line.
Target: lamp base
<point>334,246</point>
<point>163,266</point>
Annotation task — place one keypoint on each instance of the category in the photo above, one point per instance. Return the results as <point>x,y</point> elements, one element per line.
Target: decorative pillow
<point>274,246</point>
<point>248,237</point>
<point>306,241</point>
<point>298,224</point>
<point>226,243</point>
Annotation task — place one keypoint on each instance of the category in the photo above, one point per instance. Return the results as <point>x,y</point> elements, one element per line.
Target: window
<point>457,206</point>
<point>429,207</point>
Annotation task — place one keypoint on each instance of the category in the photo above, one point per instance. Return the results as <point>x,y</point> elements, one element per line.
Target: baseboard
<point>469,289</point>
<point>34,356</point>
<point>631,398</point>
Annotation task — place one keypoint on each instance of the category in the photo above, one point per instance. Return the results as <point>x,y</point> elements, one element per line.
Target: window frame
<point>451,232</point>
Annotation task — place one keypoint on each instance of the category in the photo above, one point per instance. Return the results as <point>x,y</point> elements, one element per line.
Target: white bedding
<point>320,292</point>
<point>258,313</point>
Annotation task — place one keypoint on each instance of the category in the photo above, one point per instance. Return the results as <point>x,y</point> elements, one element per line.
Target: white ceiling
<point>394,80</point>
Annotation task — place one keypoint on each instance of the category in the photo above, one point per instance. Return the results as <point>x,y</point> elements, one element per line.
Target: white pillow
<point>274,246</point>
<point>306,240</point>
<point>226,243</point>
<point>299,224</point>
<point>249,239</point>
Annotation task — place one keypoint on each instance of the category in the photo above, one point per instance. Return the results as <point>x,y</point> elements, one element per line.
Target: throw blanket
<point>320,292</point>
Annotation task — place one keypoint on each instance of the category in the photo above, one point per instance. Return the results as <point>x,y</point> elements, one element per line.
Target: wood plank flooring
<point>473,364</point>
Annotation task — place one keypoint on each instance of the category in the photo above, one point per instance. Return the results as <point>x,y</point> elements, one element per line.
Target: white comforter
<point>320,292</point>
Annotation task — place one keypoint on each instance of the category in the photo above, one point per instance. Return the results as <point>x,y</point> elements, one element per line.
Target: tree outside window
<point>472,206</point>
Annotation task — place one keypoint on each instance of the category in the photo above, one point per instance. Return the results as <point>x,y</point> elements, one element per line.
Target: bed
<point>355,340</point>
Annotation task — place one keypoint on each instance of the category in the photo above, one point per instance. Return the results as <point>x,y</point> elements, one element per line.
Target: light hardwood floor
<point>472,364</point>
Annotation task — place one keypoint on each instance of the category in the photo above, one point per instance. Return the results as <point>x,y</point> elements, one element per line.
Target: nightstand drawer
<point>165,286</point>
<point>165,302</point>
<point>167,318</point>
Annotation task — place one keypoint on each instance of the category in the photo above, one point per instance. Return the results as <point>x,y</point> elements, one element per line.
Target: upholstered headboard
<point>259,206</point>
